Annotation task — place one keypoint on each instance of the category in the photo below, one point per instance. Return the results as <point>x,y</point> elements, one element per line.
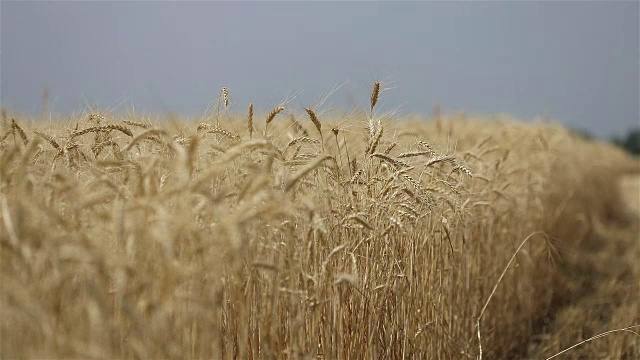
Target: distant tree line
<point>629,142</point>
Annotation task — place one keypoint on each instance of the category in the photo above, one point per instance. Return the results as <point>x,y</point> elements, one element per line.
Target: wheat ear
<point>305,170</point>
<point>272,116</point>
<point>317,123</point>
<point>374,95</point>
<point>250,120</point>
<point>225,97</point>
<point>120,128</point>
<point>373,143</point>
<point>143,135</point>
<point>49,139</point>
<point>21,132</point>
<point>135,123</point>
<point>314,120</point>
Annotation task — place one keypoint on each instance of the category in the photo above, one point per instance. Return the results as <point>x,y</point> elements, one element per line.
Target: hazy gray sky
<point>577,60</point>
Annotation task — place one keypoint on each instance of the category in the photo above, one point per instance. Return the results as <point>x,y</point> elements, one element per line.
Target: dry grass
<point>391,239</point>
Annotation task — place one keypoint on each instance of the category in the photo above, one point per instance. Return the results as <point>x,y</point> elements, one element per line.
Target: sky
<point>578,62</point>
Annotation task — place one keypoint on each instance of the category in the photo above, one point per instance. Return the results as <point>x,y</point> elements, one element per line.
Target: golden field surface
<point>294,236</point>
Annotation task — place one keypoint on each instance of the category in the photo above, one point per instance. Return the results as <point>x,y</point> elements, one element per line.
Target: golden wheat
<point>374,95</point>
<point>120,128</point>
<point>250,121</point>
<point>21,133</point>
<point>229,247</point>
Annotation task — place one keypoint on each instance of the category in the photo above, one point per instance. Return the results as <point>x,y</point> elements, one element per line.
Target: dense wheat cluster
<point>289,235</point>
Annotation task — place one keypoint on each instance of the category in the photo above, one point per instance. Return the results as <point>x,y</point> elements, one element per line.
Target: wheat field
<point>295,234</point>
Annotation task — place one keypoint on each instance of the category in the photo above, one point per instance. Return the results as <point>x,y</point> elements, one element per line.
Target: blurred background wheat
<point>298,235</point>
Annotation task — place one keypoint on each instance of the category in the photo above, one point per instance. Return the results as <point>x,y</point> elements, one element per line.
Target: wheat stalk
<point>374,141</point>
<point>273,114</point>
<point>136,124</point>
<point>225,97</point>
<point>145,134</point>
<point>250,120</point>
<point>314,120</point>
<point>302,139</point>
<point>414,153</point>
<point>221,131</point>
<point>20,132</point>
<point>447,159</point>
<point>299,129</point>
<point>397,164</point>
<point>97,118</point>
<point>390,147</point>
<point>49,139</point>
<point>428,147</point>
<point>120,128</point>
<point>603,334</point>
<point>359,218</point>
<point>305,170</point>
<point>374,95</point>
<point>316,123</point>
